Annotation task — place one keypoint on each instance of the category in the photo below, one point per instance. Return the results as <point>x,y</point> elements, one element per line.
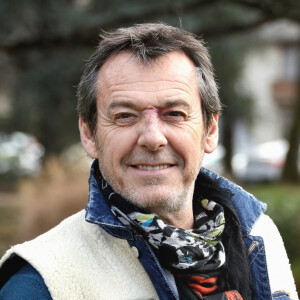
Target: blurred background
<point>255,46</point>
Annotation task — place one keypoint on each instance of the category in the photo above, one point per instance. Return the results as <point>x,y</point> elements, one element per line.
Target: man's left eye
<point>176,114</point>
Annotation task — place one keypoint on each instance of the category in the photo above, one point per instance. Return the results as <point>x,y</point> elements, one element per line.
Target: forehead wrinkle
<point>115,69</point>
<point>154,85</point>
<point>160,95</point>
<point>163,93</point>
<point>116,83</point>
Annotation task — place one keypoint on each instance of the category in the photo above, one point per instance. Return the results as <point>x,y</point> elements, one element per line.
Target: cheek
<point>189,145</point>
<point>115,143</point>
<point>188,140</point>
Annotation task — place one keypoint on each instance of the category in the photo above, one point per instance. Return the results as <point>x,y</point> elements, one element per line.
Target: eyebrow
<point>179,102</point>
<point>129,104</point>
<point>121,103</point>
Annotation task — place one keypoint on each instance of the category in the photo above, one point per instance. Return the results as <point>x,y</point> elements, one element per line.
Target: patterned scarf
<point>194,249</point>
<point>196,256</point>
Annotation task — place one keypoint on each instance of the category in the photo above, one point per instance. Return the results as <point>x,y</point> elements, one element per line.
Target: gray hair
<point>146,42</point>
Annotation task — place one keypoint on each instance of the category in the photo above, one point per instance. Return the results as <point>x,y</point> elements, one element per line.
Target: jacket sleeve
<point>26,284</point>
<point>279,270</point>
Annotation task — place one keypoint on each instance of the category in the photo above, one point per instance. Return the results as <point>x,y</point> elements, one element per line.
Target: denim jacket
<point>248,210</point>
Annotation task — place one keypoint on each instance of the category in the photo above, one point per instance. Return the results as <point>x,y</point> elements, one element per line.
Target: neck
<point>183,219</point>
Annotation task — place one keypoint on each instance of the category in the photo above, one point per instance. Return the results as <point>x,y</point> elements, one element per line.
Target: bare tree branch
<point>86,36</point>
<point>279,9</point>
<point>234,27</point>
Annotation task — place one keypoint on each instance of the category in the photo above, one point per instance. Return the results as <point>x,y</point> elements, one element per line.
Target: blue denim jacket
<point>248,210</point>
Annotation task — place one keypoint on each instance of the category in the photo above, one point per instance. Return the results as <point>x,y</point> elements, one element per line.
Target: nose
<point>151,134</point>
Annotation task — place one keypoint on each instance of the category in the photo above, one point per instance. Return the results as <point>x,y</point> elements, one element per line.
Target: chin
<point>160,202</point>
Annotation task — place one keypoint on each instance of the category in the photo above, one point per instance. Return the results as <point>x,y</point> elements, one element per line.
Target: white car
<point>262,163</point>
<point>20,154</point>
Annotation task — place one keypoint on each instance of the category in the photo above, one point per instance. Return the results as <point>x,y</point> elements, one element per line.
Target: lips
<point>152,168</point>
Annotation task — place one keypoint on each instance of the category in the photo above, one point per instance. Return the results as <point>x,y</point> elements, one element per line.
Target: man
<point>156,226</point>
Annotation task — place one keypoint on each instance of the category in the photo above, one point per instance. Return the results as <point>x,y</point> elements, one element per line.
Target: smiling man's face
<point>150,137</point>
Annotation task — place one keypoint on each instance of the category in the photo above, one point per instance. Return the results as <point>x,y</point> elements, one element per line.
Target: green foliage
<point>284,208</point>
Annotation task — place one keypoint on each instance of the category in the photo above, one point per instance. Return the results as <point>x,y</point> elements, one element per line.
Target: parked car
<point>262,163</point>
<point>20,154</point>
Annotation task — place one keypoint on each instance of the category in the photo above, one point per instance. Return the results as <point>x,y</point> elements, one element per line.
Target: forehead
<point>174,69</point>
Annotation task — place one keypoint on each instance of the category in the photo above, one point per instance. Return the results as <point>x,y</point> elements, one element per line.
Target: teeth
<point>150,168</point>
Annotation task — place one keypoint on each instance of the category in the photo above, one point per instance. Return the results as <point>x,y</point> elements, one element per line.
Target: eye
<point>175,116</point>
<point>124,118</point>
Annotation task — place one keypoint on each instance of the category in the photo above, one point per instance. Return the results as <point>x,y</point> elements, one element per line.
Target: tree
<point>290,171</point>
<point>47,40</point>
<point>227,55</point>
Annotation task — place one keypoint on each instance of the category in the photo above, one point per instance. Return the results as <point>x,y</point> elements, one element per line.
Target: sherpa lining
<point>79,260</point>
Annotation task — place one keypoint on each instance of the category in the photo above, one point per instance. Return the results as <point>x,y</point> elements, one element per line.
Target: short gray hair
<point>146,42</point>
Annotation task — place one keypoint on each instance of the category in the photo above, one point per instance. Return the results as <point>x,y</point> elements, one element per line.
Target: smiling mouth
<point>152,168</point>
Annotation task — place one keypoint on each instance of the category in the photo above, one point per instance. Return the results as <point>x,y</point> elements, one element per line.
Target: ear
<point>87,139</point>
<point>212,136</point>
